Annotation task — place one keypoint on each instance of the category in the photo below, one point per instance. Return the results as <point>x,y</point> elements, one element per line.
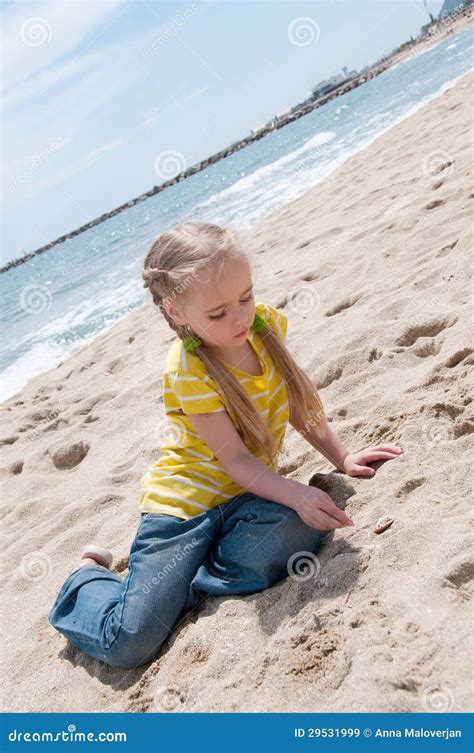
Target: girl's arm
<point>352,463</point>
<point>330,445</point>
<point>314,506</point>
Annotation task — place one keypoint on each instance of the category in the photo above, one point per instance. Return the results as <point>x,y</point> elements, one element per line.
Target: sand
<point>372,268</point>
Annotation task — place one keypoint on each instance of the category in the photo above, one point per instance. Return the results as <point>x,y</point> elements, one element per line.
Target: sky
<point>95,95</point>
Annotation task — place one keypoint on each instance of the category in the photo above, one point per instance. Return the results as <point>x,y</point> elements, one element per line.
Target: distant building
<point>323,87</point>
<point>347,73</point>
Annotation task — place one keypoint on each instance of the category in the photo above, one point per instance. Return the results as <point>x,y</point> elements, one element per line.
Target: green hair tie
<point>259,323</point>
<point>191,343</point>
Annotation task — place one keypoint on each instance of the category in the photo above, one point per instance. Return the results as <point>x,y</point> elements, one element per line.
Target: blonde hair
<point>172,263</point>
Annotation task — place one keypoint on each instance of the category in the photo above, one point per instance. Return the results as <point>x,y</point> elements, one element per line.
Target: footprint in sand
<point>122,480</point>
<point>463,426</point>
<point>68,456</point>
<point>424,329</point>
<point>333,373</point>
<point>91,419</point>
<point>343,305</point>
<point>42,394</point>
<point>435,203</point>
<point>461,571</point>
<point>114,366</point>
<point>410,486</point>
<point>458,576</point>
<point>106,501</point>
<point>458,357</point>
<point>439,169</point>
<point>447,249</point>
<point>8,440</point>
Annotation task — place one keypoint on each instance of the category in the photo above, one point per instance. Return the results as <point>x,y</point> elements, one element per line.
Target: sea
<point>60,300</point>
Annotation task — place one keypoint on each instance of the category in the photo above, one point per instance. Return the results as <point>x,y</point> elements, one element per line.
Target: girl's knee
<point>285,524</point>
<point>133,650</point>
<point>301,534</point>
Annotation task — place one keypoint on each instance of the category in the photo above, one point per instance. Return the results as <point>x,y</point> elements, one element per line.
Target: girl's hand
<point>317,509</point>
<point>355,463</point>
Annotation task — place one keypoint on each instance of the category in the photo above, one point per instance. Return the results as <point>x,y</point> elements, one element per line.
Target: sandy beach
<point>372,268</point>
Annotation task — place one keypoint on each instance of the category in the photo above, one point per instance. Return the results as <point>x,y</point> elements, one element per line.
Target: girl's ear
<point>173,311</point>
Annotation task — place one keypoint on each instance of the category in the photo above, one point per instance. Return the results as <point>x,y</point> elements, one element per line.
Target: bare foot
<point>88,561</point>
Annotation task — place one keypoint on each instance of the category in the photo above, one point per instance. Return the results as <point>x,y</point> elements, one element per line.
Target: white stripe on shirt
<point>174,496</point>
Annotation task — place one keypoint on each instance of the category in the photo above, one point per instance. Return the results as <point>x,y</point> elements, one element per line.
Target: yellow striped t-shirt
<point>188,479</point>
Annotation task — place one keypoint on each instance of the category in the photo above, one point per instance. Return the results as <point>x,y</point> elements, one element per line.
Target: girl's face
<point>219,309</point>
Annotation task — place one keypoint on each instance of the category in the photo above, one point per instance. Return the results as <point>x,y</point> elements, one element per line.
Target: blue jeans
<point>240,546</point>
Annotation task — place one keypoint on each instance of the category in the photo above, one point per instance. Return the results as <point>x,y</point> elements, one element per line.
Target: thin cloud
<point>60,75</point>
<point>83,163</point>
<point>38,34</point>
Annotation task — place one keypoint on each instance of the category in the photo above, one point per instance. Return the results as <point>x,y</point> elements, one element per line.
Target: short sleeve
<point>190,393</point>
<point>277,319</point>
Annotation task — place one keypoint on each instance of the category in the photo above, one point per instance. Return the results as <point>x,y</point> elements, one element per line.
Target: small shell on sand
<point>382,524</point>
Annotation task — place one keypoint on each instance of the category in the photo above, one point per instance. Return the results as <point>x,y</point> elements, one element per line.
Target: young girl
<point>215,517</point>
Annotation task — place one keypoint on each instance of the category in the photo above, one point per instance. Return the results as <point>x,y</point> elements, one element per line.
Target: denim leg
<point>254,547</point>
<point>124,622</point>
